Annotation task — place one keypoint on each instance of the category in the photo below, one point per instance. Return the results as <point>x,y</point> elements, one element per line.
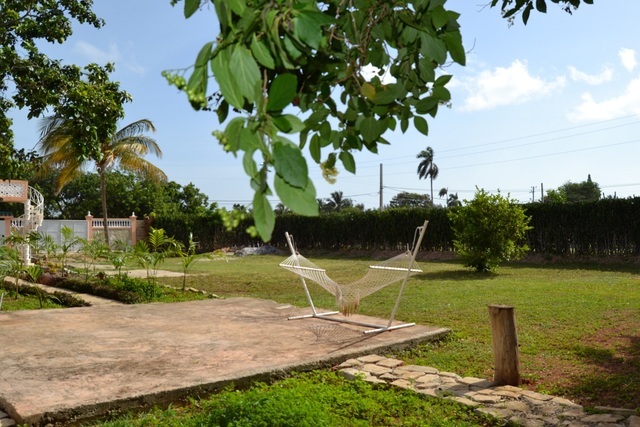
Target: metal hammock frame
<point>318,275</point>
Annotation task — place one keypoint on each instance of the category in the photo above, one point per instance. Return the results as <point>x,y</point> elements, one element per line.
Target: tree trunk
<point>431,182</point>
<point>103,193</point>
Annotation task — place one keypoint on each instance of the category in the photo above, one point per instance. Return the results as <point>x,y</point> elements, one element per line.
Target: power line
<point>517,139</point>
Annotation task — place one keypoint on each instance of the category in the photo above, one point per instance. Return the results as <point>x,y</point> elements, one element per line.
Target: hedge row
<point>610,226</point>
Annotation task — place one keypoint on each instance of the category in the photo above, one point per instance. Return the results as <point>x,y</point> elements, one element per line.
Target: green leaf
<point>439,17</point>
<point>386,95</point>
<point>249,164</point>
<point>261,53</point>
<point>453,41</point>
<point>433,47</point>
<point>442,93</point>
<point>225,79</point>
<point>203,55</point>
<point>246,72</point>
<point>308,27</point>
<point>404,125</point>
<point>427,72</point>
<point>263,216</point>
<point>290,164</point>
<point>238,6</point>
<point>190,7</point>
<point>249,140</point>
<point>348,161</point>
<point>421,124</point>
<point>288,123</point>
<point>443,80</point>
<point>234,132</point>
<point>300,200</point>
<point>541,6</point>
<point>425,105</point>
<point>282,91</point>
<point>315,148</point>
<point>370,129</point>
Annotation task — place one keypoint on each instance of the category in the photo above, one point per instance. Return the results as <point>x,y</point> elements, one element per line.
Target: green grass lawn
<point>578,324</point>
<point>578,327</point>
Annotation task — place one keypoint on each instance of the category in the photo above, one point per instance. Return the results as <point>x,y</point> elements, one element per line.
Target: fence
<point>129,230</point>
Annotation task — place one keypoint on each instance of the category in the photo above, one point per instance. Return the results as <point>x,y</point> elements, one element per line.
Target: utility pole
<point>542,192</point>
<point>533,193</point>
<point>381,200</point>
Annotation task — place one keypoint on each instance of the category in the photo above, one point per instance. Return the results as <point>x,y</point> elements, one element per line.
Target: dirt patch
<point>604,369</point>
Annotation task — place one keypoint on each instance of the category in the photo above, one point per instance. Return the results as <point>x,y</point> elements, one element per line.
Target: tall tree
<point>28,78</point>
<point>125,149</point>
<point>426,168</point>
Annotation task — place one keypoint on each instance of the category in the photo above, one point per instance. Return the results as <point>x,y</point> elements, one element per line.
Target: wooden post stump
<point>506,355</point>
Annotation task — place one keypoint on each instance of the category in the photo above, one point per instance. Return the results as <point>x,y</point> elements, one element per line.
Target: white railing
<point>111,223</point>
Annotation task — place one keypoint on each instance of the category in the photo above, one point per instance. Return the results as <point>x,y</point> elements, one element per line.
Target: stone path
<point>524,407</point>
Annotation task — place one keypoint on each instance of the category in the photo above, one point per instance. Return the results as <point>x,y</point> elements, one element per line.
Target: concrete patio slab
<point>74,364</point>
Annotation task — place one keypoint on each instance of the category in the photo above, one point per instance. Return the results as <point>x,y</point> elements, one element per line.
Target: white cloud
<point>625,104</point>
<point>95,54</point>
<point>579,76</point>
<point>628,58</point>
<point>506,86</point>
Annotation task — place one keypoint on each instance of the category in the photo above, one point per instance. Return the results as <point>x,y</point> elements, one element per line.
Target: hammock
<point>348,296</point>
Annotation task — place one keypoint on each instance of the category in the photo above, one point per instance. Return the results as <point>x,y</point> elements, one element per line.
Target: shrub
<point>490,229</point>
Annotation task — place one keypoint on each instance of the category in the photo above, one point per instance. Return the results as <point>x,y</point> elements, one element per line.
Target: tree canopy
<point>28,78</point>
<point>575,192</point>
<point>410,200</point>
<point>135,194</point>
<point>297,67</point>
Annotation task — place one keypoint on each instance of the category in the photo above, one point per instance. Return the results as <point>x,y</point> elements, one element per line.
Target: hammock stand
<point>319,276</point>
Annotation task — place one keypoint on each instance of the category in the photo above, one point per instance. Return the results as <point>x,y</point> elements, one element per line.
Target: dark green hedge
<point>610,226</point>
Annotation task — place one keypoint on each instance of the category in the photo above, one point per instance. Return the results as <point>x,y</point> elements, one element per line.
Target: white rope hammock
<point>348,296</point>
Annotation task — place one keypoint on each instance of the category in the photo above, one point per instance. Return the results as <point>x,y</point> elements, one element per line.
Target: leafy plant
<point>92,251</point>
<point>490,229</point>
<point>151,255</point>
<point>69,241</point>
<point>12,264</point>
<point>33,274</point>
<point>187,257</point>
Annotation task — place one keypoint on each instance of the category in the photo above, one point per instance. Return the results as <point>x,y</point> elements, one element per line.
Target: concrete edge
<point>244,379</point>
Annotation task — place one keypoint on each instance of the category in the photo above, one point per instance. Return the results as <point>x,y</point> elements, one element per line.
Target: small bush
<point>145,288</point>
<point>488,230</point>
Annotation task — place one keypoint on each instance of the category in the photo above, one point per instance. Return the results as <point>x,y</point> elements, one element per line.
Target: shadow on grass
<point>614,377</point>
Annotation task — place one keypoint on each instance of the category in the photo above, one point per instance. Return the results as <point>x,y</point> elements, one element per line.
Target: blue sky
<point>536,106</point>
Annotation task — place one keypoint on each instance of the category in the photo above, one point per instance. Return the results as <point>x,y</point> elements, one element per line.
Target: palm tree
<point>453,200</point>
<point>427,168</point>
<point>126,149</point>
<point>443,192</point>
<point>337,202</point>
